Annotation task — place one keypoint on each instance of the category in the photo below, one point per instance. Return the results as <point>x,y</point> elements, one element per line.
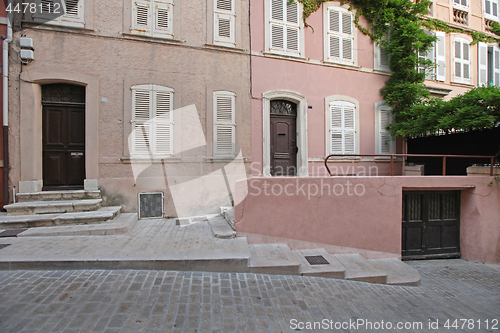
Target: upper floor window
<point>340,36</point>
<point>461,61</point>
<point>489,65</point>
<point>284,30</point>
<point>385,143</point>
<point>461,4</point>
<point>342,127</point>
<point>381,58</point>
<point>73,12</point>
<point>224,23</point>
<point>224,131</point>
<point>491,9</point>
<point>152,121</point>
<point>152,18</point>
<point>437,55</point>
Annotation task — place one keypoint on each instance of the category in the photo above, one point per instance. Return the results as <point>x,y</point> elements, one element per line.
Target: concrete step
<point>332,269</point>
<point>358,268</point>
<point>119,225</point>
<point>44,220</point>
<point>52,207</point>
<point>58,195</point>
<point>220,227</point>
<point>398,273</point>
<point>275,259</point>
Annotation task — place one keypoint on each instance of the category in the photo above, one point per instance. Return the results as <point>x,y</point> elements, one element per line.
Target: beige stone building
<point>134,96</point>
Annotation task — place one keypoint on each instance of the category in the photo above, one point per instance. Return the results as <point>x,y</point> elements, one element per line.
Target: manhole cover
<point>11,232</point>
<point>316,260</point>
<point>3,246</point>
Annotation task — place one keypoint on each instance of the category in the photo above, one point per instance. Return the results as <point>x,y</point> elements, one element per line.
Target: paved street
<point>163,301</point>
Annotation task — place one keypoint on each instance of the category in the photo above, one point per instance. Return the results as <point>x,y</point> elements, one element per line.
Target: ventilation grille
<point>150,205</point>
<point>316,260</point>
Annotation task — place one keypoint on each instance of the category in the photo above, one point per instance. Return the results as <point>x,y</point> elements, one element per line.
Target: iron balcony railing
<point>392,156</point>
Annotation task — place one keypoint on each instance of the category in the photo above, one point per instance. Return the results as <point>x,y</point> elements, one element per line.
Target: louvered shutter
<point>462,61</point>
<point>440,56</point>
<point>383,58</point>
<point>340,36</point>
<point>162,122</point>
<point>142,104</point>
<point>162,18</point>
<point>491,9</point>
<point>342,127</point>
<point>487,7</point>
<point>482,64</point>
<point>142,17</point>
<point>224,124</point>
<point>385,140</point>
<point>224,22</point>
<point>285,27</point>
<point>496,66</point>
<point>73,10</point>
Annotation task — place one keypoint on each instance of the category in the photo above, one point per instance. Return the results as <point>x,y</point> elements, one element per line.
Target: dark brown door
<point>63,146</point>
<point>283,138</point>
<point>431,224</point>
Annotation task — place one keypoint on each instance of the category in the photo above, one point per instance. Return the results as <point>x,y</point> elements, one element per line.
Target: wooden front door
<point>431,224</point>
<point>63,123</point>
<point>283,138</point>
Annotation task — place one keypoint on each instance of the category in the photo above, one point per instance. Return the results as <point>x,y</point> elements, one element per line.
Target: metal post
<point>444,165</point>
<point>392,165</point>
<point>491,166</point>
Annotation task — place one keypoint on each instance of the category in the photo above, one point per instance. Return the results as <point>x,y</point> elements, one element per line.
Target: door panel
<point>283,146</point>
<point>63,146</point>
<point>431,224</point>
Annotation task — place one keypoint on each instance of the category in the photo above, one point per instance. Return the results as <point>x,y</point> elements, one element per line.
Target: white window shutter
<point>342,127</point>
<point>466,61</point>
<point>487,7</point>
<point>385,140</point>
<point>441,56</point>
<point>340,36</point>
<point>224,124</point>
<point>142,17</point>
<point>142,103</point>
<point>162,121</point>
<point>383,60</point>
<point>284,27</point>
<point>461,58</point>
<point>496,66</point>
<point>73,10</point>
<point>482,64</point>
<point>162,18</point>
<point>224,22</point>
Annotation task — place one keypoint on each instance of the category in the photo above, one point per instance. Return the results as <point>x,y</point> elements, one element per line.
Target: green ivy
<point>415,114</point>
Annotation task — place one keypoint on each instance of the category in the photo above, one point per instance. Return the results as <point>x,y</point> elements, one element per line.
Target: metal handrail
<point>492,158</point>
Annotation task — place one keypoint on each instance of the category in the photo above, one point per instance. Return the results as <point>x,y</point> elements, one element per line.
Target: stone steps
<point>52,207</point>
<point>45,220</point>
<point>58,195</point>
<point>280,260</point>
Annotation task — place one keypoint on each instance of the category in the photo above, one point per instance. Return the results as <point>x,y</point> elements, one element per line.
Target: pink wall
<point>367,214</point>
<point>310,78</point>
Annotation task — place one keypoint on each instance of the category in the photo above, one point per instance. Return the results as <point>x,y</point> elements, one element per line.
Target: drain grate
<point>11,232</point>
<point>3,246</point>
<point>316,260</point>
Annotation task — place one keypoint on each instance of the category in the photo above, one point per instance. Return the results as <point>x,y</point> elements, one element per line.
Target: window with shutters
<point>152,121</point>
<point>224,131</point>
<point>437,55</point>
<point>381,58</point>
<point>340,36</point>
<point>342,127</point>
<point>284,28</point>
<point>385,143</point>
<point>224,23</point>
<point>491,9</point>
<point>488,65</point>
<point>461,4</point>
<point>152,18</point>
<point>430,73</point>
<point>461,61</point>
<point>73,12</point>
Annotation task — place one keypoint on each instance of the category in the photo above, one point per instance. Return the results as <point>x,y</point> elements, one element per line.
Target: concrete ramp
<point>398,273</point>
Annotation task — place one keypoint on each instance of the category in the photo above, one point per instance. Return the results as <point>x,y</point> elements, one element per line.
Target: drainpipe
<point>5,82</point>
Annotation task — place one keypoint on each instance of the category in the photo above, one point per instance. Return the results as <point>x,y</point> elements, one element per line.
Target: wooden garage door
<point>431,224</point>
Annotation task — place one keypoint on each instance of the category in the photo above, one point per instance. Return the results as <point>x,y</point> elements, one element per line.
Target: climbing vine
<point>405,22</point>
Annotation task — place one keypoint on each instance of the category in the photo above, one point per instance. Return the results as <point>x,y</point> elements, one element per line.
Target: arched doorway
<point>63,136</point>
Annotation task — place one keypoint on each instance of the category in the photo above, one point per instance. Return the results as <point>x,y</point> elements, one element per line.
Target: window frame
<point>342,9</point>
<point>491,16</point>
<point>152,122</point>
<point>462,61</point>
<point>379,107</point>
<point>461,6</point>
<point>231,16</point>
<point>328,128</point>
<point>267,27</point>
<point>65,20</point>
<point>152,30</point>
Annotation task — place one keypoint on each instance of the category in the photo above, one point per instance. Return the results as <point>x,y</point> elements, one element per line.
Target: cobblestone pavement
<point>163,301</point>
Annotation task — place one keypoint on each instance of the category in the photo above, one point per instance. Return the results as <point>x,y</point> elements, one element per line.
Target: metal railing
<point>392,156</point>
